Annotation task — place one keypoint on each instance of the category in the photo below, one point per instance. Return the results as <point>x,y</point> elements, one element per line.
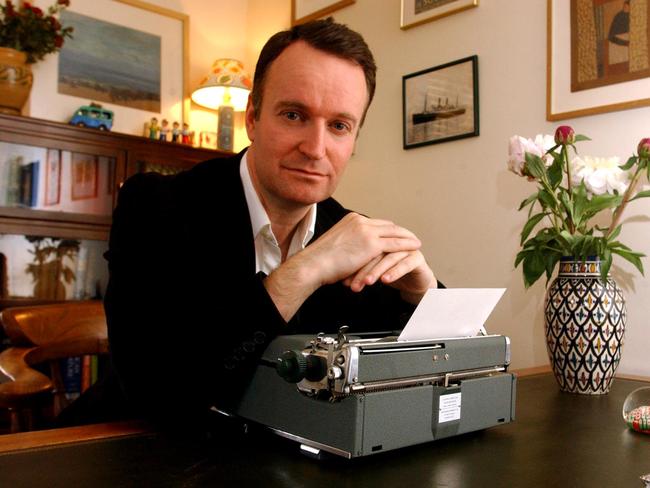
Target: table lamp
<point>225,89</point>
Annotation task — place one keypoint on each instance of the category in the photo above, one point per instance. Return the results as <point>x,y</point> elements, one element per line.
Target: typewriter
<point>360,395</point>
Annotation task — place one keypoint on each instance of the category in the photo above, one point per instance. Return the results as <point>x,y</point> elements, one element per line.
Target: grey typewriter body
<point>359,396</point>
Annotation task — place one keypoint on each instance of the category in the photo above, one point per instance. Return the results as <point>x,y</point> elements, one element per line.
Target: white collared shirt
<point>268,255</point>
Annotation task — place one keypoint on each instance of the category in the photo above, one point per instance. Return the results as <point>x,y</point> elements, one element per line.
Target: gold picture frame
<point>305,10</point>
<point>561,101</point>
<point>417,12</point>
<point>185,26</point>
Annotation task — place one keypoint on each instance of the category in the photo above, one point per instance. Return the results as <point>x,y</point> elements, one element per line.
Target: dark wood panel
<point>128,151</point>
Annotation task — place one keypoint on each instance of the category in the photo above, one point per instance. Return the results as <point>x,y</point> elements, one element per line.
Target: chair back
<point>58,330</point>
<point>46,333</point>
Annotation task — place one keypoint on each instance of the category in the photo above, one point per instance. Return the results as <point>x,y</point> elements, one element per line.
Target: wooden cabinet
<point>58,186</point>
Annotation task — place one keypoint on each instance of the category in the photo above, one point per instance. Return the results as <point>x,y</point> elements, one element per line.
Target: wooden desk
<point>558,440</point>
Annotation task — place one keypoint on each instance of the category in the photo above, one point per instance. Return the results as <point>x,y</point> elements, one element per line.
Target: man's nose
<point>313,142</point>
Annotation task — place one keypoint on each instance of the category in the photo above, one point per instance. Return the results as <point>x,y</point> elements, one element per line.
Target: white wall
<point>458,196</point>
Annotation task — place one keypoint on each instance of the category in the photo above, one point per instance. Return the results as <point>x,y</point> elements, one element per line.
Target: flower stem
<point>565,157</point>
<point>626,198</point>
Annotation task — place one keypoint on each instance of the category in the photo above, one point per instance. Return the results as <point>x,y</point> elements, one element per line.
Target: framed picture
<point>52,177</point>
<point>110,179</point>
<point>129,55</point>
<point>84,176</point>
<point>440,104</point>
<point>598,57</point>
<point>305,10</point>
<point>416,12</point>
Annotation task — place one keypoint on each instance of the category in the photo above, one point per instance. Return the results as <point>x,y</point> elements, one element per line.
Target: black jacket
<point>188,317</point>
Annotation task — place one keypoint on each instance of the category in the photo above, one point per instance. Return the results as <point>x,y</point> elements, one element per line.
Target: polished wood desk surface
<point>557,440</point>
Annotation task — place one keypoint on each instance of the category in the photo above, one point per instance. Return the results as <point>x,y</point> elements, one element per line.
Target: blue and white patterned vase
<point>585,323</point>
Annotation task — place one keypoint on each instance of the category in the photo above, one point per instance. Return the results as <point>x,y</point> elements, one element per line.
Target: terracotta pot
<point>585,323</point>
<point>15,80</point>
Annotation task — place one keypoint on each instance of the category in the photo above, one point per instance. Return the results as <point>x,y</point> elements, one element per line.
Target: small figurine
<point>185,133</point>
<point>153,128</point>
<point>163,130</point>
<point>176,132</point>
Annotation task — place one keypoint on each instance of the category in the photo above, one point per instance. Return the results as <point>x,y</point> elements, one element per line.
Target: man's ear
<point>250,118</point>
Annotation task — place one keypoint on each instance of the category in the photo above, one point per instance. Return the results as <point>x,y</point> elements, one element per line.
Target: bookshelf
<point>58,187</point>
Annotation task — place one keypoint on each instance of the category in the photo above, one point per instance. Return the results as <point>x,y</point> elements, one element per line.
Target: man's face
<point>312,105</point>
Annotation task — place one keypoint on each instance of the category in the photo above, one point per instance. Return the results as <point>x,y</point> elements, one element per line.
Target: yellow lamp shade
<point>227,84</point>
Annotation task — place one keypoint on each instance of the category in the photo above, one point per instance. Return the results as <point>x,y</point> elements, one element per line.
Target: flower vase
<point>15,80</point>
<point>585,323</point>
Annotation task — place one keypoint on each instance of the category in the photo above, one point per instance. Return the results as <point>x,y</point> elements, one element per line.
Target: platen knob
<point>292,366</point>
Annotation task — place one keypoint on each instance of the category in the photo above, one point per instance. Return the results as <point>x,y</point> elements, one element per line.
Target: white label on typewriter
<point>449,408</point>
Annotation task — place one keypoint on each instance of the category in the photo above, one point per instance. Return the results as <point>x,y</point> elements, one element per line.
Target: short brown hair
<point>325,35</point>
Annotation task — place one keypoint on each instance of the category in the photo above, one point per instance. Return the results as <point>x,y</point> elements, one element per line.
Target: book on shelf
<point>28,184</point>
<point>78,374</point>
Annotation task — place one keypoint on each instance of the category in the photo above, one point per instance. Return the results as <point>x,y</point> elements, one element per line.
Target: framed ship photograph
<point>440,104</point>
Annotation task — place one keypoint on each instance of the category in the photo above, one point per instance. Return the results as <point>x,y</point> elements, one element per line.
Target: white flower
<point>519,146</point>
<point>600,175</point>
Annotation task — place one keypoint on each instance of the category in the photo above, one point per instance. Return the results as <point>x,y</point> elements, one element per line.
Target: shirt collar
<point>259,217</point>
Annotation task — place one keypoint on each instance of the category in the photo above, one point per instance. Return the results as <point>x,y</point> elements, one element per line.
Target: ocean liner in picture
<point>439,111</point>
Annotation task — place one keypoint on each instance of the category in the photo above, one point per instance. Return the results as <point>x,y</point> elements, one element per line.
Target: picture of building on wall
<point>111,63</point>
<point>610,42</point>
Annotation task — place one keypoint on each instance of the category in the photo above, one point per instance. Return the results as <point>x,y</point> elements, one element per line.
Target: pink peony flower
<point>564,135</point>
<point>644,148</point>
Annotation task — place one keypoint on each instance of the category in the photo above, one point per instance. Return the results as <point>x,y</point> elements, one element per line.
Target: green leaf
<point>555,173</point>
<point>520,255</point>
<point>580,201</point>
<point>528,201</point>
<point>630,162</point>
<point>641,194</point>
<point>546,198</point>
<point>601,202</point>
<point>615,233</point>
<point>534,266</point>
<point>551,260</point>
<point>580,137</point>
<point>535,166</point>
<point>605,263</point>
<point>631,256</point>
<point>566,202</point>
<point>530,225</point>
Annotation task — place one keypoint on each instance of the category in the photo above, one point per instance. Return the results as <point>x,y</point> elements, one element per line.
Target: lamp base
<point>225,128</point>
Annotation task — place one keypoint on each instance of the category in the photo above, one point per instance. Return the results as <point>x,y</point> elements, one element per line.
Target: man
<point>189,313</point>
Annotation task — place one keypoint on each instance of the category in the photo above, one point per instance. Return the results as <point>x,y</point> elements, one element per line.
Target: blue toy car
<point>93,116</point>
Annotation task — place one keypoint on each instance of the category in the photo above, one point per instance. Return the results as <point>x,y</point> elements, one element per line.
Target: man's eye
<point>341,127</point>
<point>292,115</point>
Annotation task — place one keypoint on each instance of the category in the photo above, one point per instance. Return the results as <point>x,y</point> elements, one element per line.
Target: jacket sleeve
<point>179,341</point>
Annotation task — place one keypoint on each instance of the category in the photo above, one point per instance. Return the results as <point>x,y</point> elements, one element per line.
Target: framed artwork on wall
<point>129,55</point>
<point>416,12</point>
<point>441,104</point>
<point>598,57</point>
<point>305,10</point>
<point>84,176</point>
<point>52,177</point>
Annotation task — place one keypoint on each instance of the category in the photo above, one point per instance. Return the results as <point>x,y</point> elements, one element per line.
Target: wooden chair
<point>40,334</point>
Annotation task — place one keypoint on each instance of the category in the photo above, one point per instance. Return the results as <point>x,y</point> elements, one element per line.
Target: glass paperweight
<point>636,410</point>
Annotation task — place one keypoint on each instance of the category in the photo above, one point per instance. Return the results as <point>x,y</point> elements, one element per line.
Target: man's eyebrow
<point>294,104</point>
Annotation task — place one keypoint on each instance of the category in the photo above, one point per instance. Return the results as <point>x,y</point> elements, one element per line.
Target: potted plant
<point>585,310</point>
<point>27,34</point>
